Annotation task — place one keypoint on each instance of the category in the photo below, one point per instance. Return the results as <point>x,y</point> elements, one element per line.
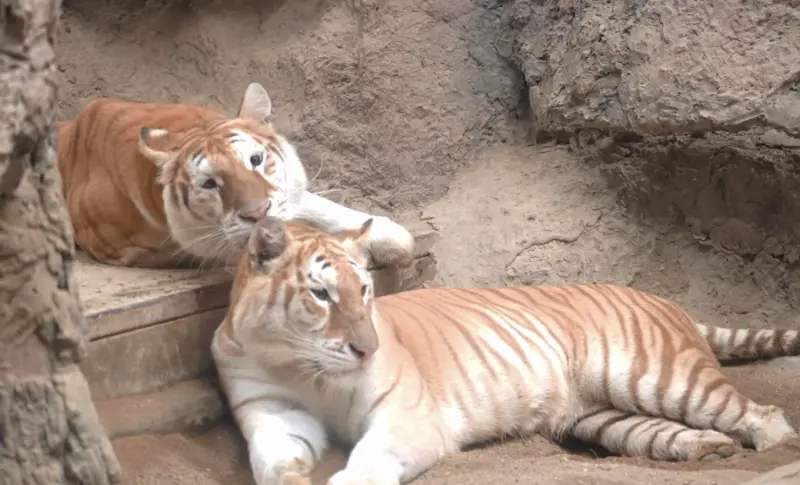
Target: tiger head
<point>222,176</point>
<point>309,298</point>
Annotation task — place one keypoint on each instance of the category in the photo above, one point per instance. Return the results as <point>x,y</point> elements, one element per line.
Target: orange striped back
<point>151,184</point>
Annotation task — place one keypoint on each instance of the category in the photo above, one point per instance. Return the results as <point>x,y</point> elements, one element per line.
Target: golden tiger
<point>157,185</point>
<point>306,353</point>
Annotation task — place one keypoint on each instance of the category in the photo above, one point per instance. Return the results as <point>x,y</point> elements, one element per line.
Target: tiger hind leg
<point>714,403</point>
<point>629,434</point>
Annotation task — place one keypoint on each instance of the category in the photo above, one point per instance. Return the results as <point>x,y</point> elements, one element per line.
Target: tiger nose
<point>362,353</point>
<point>255,215</point>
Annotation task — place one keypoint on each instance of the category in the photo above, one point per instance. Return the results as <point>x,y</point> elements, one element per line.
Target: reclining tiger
<point>168,185</point>
<point>306,353</point>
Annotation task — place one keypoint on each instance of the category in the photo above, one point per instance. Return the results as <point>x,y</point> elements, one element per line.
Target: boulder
<point>693,106</point>
<point>656,68</point>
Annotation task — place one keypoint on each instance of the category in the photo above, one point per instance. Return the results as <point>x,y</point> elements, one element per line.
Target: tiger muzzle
<point>256,214</point>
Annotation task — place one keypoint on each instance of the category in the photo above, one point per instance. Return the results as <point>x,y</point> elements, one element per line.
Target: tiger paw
<point>294,471</point>
<point>711,445</point>
<point>294,478</point>
<point>390,243</point>
<point>347,477</point>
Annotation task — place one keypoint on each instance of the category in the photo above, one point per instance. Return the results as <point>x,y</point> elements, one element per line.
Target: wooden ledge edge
<point>165,307</point>
<point>184,405</point>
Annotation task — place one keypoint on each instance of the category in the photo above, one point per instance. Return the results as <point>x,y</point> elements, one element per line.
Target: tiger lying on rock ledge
<point>306,353</point>
<point>167,185</point>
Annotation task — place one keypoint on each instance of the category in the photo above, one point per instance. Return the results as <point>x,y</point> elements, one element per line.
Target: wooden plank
<point>153,328</point>
<point>188,404</point>
<point>153,357</point>
<point>117,300</point>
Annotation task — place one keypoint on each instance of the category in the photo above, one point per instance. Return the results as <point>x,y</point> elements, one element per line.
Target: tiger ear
<point>152,144</point>
<point>255,103</point>
<point>362,236</point>
<point>268,240</point>
<point>357,241</point>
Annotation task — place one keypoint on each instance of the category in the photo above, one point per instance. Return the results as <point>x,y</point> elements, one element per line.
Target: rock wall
<point>655,68</point>
<point>389,96</point>
<point>694,106</point>
<point>49,428</point>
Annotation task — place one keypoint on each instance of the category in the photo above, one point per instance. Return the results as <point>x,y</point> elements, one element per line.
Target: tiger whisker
<point>216,253</point>
<point>322,193</point>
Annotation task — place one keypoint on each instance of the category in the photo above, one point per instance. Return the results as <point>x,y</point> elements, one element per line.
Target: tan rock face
<point>390,97</point>
<point>657,68</point>
<point>701,102</point>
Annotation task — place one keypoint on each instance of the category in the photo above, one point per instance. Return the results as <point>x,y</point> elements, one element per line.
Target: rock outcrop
<point>659,68</point>
<point>695,106</point>
<point>49,428</point>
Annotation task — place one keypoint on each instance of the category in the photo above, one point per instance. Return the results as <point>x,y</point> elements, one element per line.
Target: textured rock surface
<point>49,430</point>
<point>395,96</point>
<point>391,97</point>
<point>665,67</point>
<point>695,106</point>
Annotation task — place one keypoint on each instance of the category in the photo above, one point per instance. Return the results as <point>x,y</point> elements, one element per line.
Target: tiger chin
<point>176,185</point>
<point>307,354</point>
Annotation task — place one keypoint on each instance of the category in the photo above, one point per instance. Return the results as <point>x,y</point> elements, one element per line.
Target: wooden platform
<point>152,328</point>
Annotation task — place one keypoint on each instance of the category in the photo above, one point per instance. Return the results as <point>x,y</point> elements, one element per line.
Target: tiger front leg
<point>284,444</point>
<point>389,242</point>
<point>392,455</point>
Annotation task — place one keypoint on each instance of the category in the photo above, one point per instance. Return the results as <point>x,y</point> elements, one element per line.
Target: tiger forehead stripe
<point>217,125</point>
<point>237,136</point>
<point>276,147</point>
<point>321,259</point>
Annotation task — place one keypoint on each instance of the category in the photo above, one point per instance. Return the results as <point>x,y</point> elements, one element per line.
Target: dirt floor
<point>217,455</point>
<point>507,212</point>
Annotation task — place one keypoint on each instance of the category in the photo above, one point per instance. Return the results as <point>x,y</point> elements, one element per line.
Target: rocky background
<point>694,105</point>
<point>649,143</point>
<point>391,98</point>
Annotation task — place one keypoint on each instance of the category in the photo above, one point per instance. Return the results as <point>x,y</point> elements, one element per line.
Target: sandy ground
<point>580,235</point>
<point>218,455</point>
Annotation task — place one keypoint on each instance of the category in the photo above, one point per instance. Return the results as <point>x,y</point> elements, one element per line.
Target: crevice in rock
<point>732,193</point>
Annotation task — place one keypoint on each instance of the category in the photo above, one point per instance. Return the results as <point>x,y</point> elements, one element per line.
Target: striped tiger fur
<point>306,353</point>
<point>158,185</point>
